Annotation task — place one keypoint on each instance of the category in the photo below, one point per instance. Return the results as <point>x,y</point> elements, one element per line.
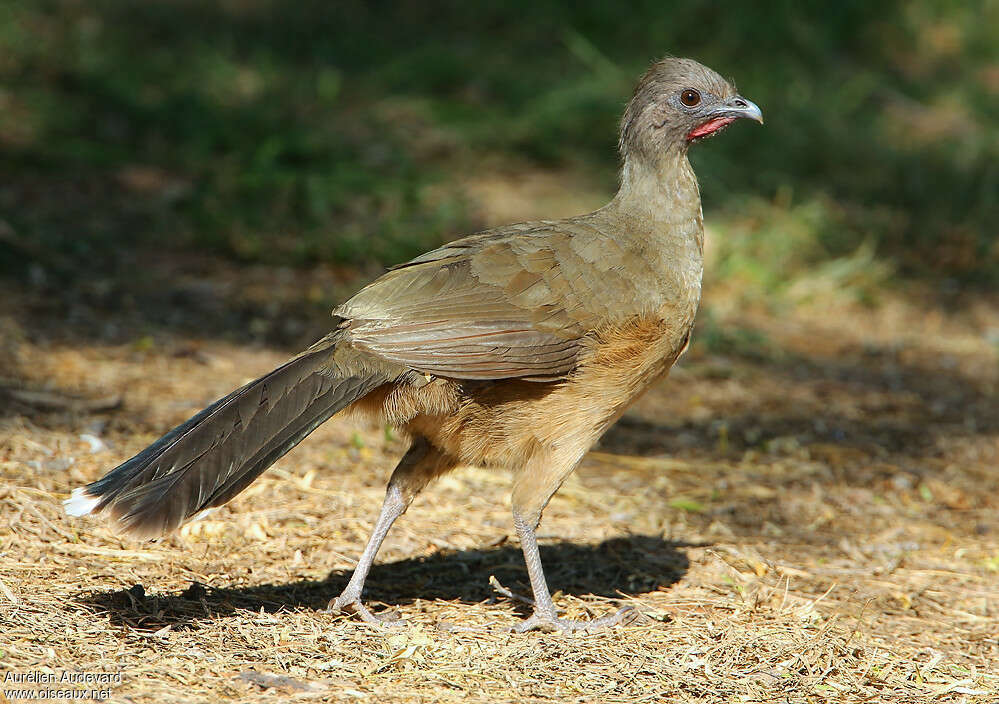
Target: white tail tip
<point>201,515</point>
<point>80,503</point>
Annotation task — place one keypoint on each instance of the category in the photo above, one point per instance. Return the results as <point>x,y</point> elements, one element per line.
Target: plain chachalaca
<point>516,347</point>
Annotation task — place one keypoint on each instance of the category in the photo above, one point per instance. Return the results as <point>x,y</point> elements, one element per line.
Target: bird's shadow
<point>632,564</point>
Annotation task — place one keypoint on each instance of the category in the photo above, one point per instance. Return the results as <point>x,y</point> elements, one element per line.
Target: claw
<point>353,605</point>
<point>551,623</point>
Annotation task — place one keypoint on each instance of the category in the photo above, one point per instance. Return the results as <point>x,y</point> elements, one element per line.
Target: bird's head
<point>678,102</point>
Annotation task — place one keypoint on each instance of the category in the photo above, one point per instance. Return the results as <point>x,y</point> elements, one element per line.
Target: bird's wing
<point>510,303</point>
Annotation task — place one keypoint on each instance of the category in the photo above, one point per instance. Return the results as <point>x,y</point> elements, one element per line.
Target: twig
<point>50,401</point>
<point>495,584</point>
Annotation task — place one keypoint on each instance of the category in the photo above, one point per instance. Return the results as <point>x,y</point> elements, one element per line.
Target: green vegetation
<point>291,132</point>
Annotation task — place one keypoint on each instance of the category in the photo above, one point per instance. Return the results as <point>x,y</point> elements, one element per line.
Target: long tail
<point>207,460</point>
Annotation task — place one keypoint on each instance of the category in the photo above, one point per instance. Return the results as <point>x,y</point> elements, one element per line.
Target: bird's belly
<point>505,423</point>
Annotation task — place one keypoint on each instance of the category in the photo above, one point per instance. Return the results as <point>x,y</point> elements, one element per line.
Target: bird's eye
<point>690,97</point>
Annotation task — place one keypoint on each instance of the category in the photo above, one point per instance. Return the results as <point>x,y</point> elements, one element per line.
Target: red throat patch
<point>709,127</point>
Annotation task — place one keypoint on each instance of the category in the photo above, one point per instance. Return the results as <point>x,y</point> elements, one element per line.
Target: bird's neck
<point>658,216</point>
<point>662,198</point>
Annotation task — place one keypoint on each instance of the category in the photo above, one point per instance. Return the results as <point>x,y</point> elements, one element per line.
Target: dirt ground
<point>806,510</point>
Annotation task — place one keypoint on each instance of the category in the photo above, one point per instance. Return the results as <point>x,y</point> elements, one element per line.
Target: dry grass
<point>816,525</point>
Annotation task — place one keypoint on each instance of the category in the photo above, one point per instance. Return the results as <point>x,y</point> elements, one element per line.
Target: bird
<point>512,348</point>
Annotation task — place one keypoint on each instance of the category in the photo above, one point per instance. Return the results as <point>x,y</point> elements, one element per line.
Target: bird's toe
<point>551,623</point>
<point>353,605</point>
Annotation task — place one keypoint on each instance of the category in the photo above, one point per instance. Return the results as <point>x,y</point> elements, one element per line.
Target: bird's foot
<point>348,603</point>
<point>543,621</point>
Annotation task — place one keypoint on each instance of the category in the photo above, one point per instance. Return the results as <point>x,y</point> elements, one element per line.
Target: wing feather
<point>503,304</point>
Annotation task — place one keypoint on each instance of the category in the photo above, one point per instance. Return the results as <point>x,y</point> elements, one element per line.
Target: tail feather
<point>318,412</point>
<point>207,460</point>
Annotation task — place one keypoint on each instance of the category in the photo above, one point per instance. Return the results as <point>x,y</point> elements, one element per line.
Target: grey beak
<point>738,106</point>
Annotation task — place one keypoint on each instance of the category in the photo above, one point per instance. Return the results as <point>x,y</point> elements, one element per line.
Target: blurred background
<point>187,187</point>
<point>353,135</point>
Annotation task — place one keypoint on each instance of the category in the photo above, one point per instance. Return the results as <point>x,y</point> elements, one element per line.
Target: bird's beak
<point>738,107</point>
<point>731,110</point>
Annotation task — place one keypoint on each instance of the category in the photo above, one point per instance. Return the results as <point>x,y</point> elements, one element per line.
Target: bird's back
<point>522,300</point>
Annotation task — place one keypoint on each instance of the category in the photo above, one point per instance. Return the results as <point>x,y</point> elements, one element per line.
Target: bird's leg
<point>533,486</point>
<point>545,617</point>
<point>350,599</point>
<point>416,469</point>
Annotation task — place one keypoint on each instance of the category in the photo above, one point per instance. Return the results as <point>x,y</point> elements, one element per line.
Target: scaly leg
<point>532,489</point>
<point>545,617</point>
<point>416,469</point>
<point>350,598</point>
